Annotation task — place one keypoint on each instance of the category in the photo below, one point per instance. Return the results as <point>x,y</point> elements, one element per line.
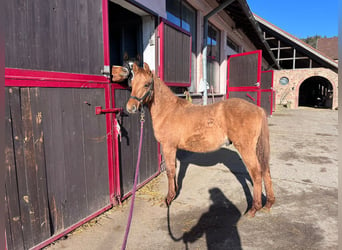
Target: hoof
<point>269,204</point>
<point>170,198</point>
<point>251,213</point>
<point>266,210</point>
<point>168,201</point>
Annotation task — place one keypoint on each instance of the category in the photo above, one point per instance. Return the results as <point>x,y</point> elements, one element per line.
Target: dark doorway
<point>316,92</point>
<point>125,34</point>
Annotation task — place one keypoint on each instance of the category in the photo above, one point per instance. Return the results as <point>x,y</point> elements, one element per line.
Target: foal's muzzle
<point>132,106</point>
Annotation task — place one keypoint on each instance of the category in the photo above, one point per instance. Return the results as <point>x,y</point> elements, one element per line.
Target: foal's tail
<point>263,145</point>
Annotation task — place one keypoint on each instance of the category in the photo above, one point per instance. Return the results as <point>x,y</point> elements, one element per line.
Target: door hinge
<point>106,71</point>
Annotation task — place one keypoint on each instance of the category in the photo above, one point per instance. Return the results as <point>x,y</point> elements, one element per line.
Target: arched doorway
<point>316,91</point>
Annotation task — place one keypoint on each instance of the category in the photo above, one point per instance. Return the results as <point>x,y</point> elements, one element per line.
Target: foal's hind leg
<point>268,188</point>
<point>250,159</point>
<point>170,160</point>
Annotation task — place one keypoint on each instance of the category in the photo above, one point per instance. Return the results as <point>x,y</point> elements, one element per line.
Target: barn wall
<point>56,35</point>
<point>289,94</point>
<point>56,161</point>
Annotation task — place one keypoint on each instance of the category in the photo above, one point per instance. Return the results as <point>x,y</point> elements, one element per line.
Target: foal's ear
<point>135,67</point>
<point>147,68</point>
<point>125,57</point>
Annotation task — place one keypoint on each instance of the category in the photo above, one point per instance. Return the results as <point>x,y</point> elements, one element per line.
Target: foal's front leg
<point>170,160</point>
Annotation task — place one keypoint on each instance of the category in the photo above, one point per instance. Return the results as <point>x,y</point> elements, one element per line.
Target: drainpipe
<point>204,52</point>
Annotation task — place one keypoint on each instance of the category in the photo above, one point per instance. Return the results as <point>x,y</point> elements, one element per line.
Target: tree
<point>312,40</point>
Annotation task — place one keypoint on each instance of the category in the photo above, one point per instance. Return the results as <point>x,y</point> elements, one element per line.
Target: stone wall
<point>289,94</point>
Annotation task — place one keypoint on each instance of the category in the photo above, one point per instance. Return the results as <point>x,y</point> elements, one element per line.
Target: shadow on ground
<point>231,159</point>
<point>218,224</point>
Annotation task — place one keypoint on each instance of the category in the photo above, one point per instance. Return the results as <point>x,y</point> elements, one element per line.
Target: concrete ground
<point>215,191</point>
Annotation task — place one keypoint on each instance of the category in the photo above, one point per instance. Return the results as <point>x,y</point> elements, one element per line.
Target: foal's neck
<point>163,99</point>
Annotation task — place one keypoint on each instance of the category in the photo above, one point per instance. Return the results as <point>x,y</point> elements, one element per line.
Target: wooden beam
<point>281,48</point>
<point>294,59</point>
<point>291,58</point>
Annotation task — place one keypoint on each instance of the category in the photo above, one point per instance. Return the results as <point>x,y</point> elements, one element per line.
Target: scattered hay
<point>150,192</point>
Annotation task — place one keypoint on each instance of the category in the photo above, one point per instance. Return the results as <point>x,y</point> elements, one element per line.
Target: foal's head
<point>121,73</point>
<point>142,88</point>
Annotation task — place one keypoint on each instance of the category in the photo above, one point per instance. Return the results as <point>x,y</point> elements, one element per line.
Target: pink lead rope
<point>142,120</point>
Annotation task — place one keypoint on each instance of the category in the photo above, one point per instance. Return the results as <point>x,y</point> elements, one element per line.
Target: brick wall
<point>289,94</point>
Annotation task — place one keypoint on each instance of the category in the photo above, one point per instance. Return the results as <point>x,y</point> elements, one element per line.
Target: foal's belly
<point>203,142</point>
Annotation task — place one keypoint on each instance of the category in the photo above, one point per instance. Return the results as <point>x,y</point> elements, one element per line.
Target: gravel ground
<point>215,192</point>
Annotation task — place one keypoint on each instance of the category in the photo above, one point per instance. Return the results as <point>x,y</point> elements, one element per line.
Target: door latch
<point>99,110</point>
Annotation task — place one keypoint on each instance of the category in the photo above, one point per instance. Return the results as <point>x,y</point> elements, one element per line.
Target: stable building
<point>70,146</point>
<point>308,76</point>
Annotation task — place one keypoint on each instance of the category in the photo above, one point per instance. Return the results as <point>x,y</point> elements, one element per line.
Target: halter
<point>128,66</point>
<point>147,94</point>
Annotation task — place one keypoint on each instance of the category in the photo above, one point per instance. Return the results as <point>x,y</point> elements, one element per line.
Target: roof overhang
<point>310,51</point>
<point>244,20</point>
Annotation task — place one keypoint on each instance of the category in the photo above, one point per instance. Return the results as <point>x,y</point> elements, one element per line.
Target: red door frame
<point>271,91</point>
<point>249,88</point>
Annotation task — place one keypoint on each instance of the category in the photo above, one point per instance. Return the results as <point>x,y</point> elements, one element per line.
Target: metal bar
<point>99,110</point>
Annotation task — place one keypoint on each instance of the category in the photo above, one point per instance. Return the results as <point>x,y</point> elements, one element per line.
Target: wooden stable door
<point>246,80</point>
<point>244,76</point>
<point>266,89</point>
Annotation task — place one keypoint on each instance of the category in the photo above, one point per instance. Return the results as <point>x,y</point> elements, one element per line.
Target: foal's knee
<point>171,172</point>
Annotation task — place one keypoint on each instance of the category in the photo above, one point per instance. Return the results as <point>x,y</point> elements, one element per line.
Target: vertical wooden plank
<point>95,149</point>
<point>74,157</point>
<point>28,181</point>
<point>38,146</point>
<point>54,156</point>
<point>14,227</point>
<point>19,136</point>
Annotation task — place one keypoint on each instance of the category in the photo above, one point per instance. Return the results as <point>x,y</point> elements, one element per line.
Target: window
<point>213,58</point>
<point>184,16</point>
<point>232,47</point>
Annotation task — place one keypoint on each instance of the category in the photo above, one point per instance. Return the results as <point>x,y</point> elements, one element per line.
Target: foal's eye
<point>146,85</point>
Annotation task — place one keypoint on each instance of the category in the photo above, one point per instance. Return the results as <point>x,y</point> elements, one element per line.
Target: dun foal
<point>178,124</point>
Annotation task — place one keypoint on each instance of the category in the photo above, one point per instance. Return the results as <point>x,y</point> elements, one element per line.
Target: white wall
<point>149,41</point>
<point>155,5</point>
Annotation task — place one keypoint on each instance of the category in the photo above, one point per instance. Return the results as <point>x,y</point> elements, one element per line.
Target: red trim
<point>110,131</point>
<point>165,21</point>
<point>159,156</point>
<point>37,78</point>
<point>177,84</point>
<point>116,163</point>
<point>253,99</point>
<point>161,49</point>
<point>274,96</point>
<point>142,184</point>
<point>69,229</point>
<point>269,71</point>
<point>249,88</point>
<point>244,89</point>
<point>105,31</point>
<point>270,99</point>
